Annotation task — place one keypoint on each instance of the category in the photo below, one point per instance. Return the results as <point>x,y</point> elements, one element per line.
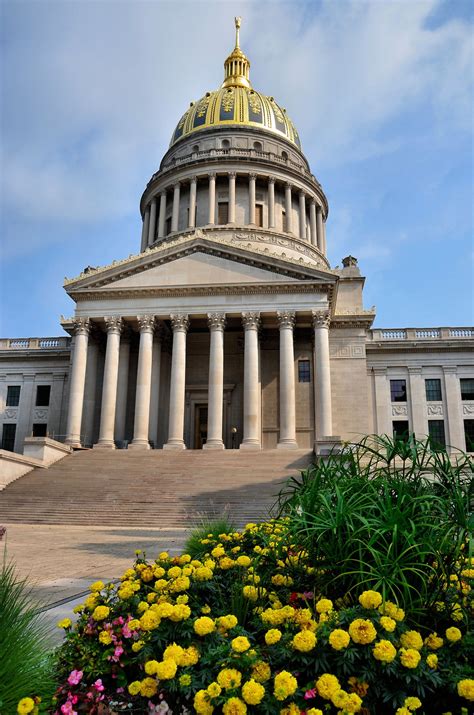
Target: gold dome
<point>236,103</point>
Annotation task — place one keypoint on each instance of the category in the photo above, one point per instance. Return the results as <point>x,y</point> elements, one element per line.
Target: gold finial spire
<point>237,66</point>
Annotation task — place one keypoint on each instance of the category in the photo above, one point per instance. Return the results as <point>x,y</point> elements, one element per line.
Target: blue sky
<point>381,92</point>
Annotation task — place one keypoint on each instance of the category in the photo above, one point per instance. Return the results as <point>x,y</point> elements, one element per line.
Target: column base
<point>288,444</point>
<point>250,445</point>
<point>213,444</point>
<point>104,444</point>
<point>74,443</point>
<point>177,444</point>
<point>326,445</point>
<point>139,444</point>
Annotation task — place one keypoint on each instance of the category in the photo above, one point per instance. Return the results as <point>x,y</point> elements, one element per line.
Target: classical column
<point>252,179</point>
<point>251,437</point>
<point>319,228</point>
<point>180,325</point>
<point>286,322</point>
<point>312,223</point>
<point>175,214</point>
<point>455,437</point>
<point>145,228</point>
<point>162,217</point>
<point>155,386</point>
<point>321,322</point>
<point>271,202</point>
<point>146,324</point>
<point>419,424</point>
<point>78,375</point>
<point>151,230</point>
<point>324,238</point>
<point>382,402</point>
<point>288,208</point>
<point>192,203</point>
<point>216,322</point>
<point>212,199</point>
<point>232,197</point>
<point>122,386</point>
<point>302,215</point>
<point>109,389</point>
<point>90,390</point>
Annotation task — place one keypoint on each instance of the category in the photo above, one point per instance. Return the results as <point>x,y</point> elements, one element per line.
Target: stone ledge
<point>13,466</point>
<point>45,449</point>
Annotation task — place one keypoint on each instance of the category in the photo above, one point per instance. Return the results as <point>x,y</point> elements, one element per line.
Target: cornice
<point>363,319</point>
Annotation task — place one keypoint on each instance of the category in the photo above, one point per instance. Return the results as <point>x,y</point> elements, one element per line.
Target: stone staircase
<point>151,489</point>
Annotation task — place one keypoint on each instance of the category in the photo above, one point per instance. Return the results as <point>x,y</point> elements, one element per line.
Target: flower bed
<point>241,627</point>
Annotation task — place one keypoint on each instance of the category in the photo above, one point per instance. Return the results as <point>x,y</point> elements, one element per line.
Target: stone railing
<point>397,334</point>
<point>34,343</point>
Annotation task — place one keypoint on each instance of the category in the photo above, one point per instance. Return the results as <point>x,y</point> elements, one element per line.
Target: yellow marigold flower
<point>134,624</point>
<point>183,598</point>
<point>161,584</point>
<point>388,624</point>
<point>244,560</point>
<point>339,639</point>
<point>147,574</point>
<point>100,613</point>
<point>291,709</point>
<point>229,678</point>
<point>173,652</point>
<point>391,609</point>
<point>272,636</point>
<point>303,616</point>
<point>261,672</point>
<point>164,556</point>
<point>78,609</point>
<point>327,685</point>
<point>148,687</point>
<point>166,670</point>
<point>284,685</point>
<point>149,621</point>
<point>181,612</point>
<point>466,689</point>
<point>105,638</point>
<point>453,634</point>
<point>456,612</point>
<point>352,703</point>
<point>304,641</point>
<point>164,610</point>
<point>409,657</point>
<point>314,711</point>
<point>250,592</point>
<point>203,573</point>
<point>234,706</point>
<point>134,688</point>
<point>158,571</point>
<point>411,639</point>
<point>467,573</point>
<point>226,563</point>
<point>324,605</point>
<point>214,690</point>
<point>362,631</point>
<point>370,599</point>
<point>91,601</point>
<point>412,703</point>
<point>137,646</point>
<point>180,584</point>
<point>218,551</point>
<point>65,623</point>
<point>185,680</point>
<point>184,559</point>
<point>402,711</point>
<point>339,698</point>
<point>433,641</point>
<point>202,704</point>
<point>26,705</point>
<point>384,651</point>
<point>97,586</point>
<point>204,625</point>
<point>143,606</point>
<point>226,623</point>
<point>252,692</point>
<point>151,667</point>
<point>125,591</point>
<point>174,572</point>
<point>240,644</point>
<point>432,661</point>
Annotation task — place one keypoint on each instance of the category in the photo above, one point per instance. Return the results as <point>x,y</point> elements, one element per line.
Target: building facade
<point>230,329</point>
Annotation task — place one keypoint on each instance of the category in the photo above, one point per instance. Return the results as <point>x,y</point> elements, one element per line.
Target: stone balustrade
<point>34,343</point>
<point>399,334</point>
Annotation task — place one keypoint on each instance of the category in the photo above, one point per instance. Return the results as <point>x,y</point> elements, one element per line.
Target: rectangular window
<point>469,435</point>
<point>168,226</point>
<point>304,372</point>
<point>42,395</point>
<point>222,213</point>
<point>433,390</point>
<point>8,437</point>
<point>259,215</point>
<point>13,395</point>
<point>398,390</point>
<point>400,430</point>
<point>436,432</point>
<point>284,225</point>
<point>467,388</point>
<point>39,429</point>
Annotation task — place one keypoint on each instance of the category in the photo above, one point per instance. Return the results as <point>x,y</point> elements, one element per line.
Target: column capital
<point>319,208</point>
<point>113,324</point>
<point>146,323</point>
<point>179,323</point>
<point>286,319</point>
<point>154,199</point>
<point>193,179</point>
<point>312,201</point>
<point>177,185</point>
<point>212,175</point>
<point>216,321</point>
<point>81,326</point>
<point>271,179</point>
<point>288,185</point>
<point>321,318</point>
<point>163,192</point>
<point>302,192</point>
<point>251,321</point>
<point>252,177</point>
<point>232,174</point>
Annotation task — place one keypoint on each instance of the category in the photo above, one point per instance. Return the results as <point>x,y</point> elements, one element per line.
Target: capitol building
<point>229,329</point>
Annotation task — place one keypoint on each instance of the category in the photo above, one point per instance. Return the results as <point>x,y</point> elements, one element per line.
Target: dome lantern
<point>237,65</point>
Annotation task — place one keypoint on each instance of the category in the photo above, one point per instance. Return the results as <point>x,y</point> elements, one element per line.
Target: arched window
<point>225,144</point>
<point>258,146</point>
<point>284,155</point>
<point>195,148</point>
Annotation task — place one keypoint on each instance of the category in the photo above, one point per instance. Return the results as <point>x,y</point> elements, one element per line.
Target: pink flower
<point>310,694</point>
<point>126,632</point>
<point>66,709</point>
<point>98,685</point>
<point>75,677</point>
<point>120,690</point>
<point>118,651</point>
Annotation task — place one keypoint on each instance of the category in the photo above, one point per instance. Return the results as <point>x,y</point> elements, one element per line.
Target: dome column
<point>286,322</point>
<point>175,214</point>
<point>152,227</point>
<point>145,228</point>
<point>161,220</point>
<point>271,202</point>
<point>122,385</point>
<point>320,230</point>
<point>78,378</point>
<point>180,325</point>
<point>252,179</point>
<point>302,215</point>
<point>312,222</point>
<point>192,203</point>
<point>109,390</point>
<point>251,438</point>
<point>288,208</point>
<point>212,199</point>
<point>216,322</point>
<point>324,238</point>
<point>232,197</point>
<point>146,324</point>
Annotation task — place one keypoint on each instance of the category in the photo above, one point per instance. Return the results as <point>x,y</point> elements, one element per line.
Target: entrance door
<point>200,426</point>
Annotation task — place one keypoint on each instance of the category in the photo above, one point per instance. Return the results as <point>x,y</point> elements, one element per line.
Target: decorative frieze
<point>468,409</point>
<point>435,410</point>
<point>10,413</point>
<point>399,410</point>
<point>40,414</point>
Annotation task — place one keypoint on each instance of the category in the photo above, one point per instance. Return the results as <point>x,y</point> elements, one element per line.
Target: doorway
<point>200,425</point>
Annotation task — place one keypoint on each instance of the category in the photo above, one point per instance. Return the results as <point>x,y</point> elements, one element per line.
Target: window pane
<point>13,395</point>
<point>42,395</point>
<point>400,430</point>
<point>259,215</point>
<point>222,213</point>
<point>8,437</point>
<point>433,390</point>
<point>398,390</point>
<point>469,435</point>
<point>304,373</point>
<point>467,388</point>
<point>283,222</point>
<point>436,432</point>
<point>39,429</point>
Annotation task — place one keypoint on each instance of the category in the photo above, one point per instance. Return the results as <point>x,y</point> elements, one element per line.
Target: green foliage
<point>394,516</point>
<point>207,528</point>
<point>25,667</point>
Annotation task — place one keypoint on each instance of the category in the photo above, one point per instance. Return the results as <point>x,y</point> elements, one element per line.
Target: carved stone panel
<point>468,409</point>
<point>399,410</point>
<point>435,410</point>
